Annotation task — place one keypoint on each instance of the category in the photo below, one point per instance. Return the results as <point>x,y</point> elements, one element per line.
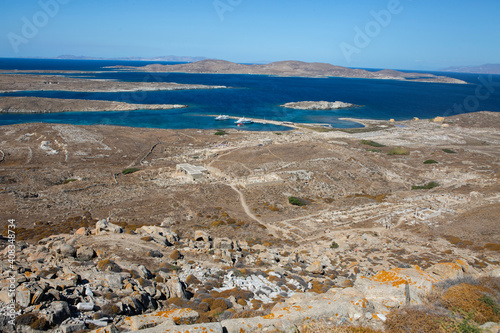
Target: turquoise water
<point>259,97</point>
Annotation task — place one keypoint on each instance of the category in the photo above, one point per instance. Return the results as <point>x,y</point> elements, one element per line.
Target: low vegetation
<point>130,170</point>
<point>70,180</point>
<point>430,162</point>
<point>427,186</point>
<point>334,245</point>
<point>449,151</point>
<point>398,151</point>
<point>297,201</point>
<point>220,132</point>
<point>372,143</point>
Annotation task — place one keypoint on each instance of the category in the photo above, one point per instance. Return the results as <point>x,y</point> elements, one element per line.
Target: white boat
<point>244,121</point>
<point>222,117</point>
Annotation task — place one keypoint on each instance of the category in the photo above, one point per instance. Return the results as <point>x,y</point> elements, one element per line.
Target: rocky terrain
<point>290,68</point>
<point>287,227</point>
<point>49,105</point>
<point>318,105</point>
<point>29,82</point>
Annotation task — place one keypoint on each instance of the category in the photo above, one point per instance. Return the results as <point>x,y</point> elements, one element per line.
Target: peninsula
<point>51,105</point>
<point>290,68</point>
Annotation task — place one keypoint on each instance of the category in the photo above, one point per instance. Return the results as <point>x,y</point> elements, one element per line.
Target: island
<point>23,82</point>
<point>51,105</point>
<point>290,69</point>
<point>318,105</point>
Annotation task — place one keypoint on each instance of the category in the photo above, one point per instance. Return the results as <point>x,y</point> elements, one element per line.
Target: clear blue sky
<point>420,34</point>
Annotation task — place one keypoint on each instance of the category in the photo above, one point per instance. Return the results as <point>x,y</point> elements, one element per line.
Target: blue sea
<point>257,96</point>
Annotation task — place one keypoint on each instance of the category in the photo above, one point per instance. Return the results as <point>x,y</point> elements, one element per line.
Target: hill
<point>290,68</point>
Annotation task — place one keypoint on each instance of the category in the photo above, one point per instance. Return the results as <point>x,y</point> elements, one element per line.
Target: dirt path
<point>273,229</point>
<point>224,154</point>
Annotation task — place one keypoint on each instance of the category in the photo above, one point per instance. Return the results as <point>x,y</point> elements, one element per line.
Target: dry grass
<point>458,305</point>
<point>416,319</point>
<point>324,327</point>
<point>476,300</point>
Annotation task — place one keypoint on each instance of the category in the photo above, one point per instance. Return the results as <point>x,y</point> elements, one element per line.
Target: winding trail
<point>275,231</point>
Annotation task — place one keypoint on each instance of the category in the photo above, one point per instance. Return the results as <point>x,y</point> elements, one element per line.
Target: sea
<point>256,96</point>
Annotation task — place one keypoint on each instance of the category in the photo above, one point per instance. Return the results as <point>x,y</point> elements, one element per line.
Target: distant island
<point>482,69</point>
<point>171,58</point>
<point>290,69</point>
<point>318,105</point>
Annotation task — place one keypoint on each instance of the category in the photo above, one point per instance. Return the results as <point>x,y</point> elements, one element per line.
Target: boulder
<point>23,296</point>
<point>495,273</point>
<point>315,268</point>
<point>72,327</point>
<point>82,232</point>
<point>156,318</point>
<point>196,328</point>
<point>155,254</point>
<point>160,235</point>
<point>85,253</point>
<point>337,304</point>
<point>200,235</point>
<point>490,327</point>
<point>113,281</point>
<point>176,288</point>
<point>108,329</point>
<point>223,243</point>
<point>443,271</point>
<point>65,250</point>
<point>144,272</point>
<point>56,312</point>
<point>103,226</point>
<point>175,255</point>
<point>396,287</point>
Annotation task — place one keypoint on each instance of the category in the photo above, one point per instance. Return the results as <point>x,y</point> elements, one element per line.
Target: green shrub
<point>334,245</point>
<point>425,187</point>
<point>374,150</point>
<point>297,201</point>
<point>220,132</point>
<point>449,151</point>
<point>430,162</point>
<point>371,143</point>
<point>67,181</point>
<point>399,151</point>
<point>130,170</point>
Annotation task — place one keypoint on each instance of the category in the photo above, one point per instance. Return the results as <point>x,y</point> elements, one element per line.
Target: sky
<point>398,34</point>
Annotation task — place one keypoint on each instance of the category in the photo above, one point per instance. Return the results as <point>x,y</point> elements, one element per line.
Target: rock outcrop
<point>320,105</point>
